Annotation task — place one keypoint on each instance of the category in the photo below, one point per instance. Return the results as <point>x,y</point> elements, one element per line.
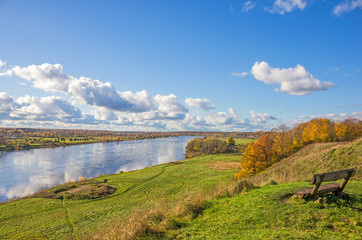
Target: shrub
<point>202,146</point>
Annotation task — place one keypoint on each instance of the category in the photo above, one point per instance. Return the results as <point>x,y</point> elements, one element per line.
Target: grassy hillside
<point>315,158</point>
<point>67,218</point>
<point>266,213</point>
<point>179,201</point>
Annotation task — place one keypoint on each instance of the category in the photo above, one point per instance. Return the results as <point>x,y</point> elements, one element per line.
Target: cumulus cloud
<point>169,104</point>
<point>295,81</point>
<point>259,118</point>
<point>50,77</point>
<point>202,103</point>
<point>239,74</point>
<point>249,5</point>
<point>46,76</point>
<point>105,115</point>
<point>7,102</point>
<point>41,109</point>
<point>228,121</point>
<point>223,118</point>
<point>283,6</point>
<point>112,109</point>
<point>347,6</point>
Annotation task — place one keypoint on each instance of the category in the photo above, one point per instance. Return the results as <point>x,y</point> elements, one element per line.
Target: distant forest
<point>28,138</point>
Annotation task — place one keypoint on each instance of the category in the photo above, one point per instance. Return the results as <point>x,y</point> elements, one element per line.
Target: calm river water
<point>26,172</point>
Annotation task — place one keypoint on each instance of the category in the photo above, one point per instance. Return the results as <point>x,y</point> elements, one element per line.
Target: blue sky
<point>179,65</point>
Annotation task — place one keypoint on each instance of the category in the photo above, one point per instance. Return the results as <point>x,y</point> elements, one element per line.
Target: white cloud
<point>295,81</point>
<point>347,6</point>
<point>110,109</point>
<point>202,103</point>
<point>41,109</point>
<point>259,118</point>
<point>169,107</point>
<point>283,6</point>
<point>228,121</point>
<point>2,63</point>
<point>239,74</point>
<point>249,5</point>
<point>223,118</point>
<point>46,76</point>
<point>6,103</point>
<point>55,112</point>
<point>101,95</point>
<point>88,91</point>
<point>45,108</point>
<point>105,115</point>
<point>333,116</point>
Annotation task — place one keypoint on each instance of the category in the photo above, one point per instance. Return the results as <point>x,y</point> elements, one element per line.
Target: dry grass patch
<point>164,216</point>
<point>313,159</point>
<point>77,192</point>
<point>220,165</point>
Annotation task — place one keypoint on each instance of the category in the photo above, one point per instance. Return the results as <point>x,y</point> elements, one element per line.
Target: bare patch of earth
<point>220,165</point>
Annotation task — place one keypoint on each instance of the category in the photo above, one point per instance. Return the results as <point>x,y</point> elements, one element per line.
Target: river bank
<point>26,172</point>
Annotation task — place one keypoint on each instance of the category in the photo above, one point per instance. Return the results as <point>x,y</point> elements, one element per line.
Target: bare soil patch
<point>86,191</point>
<point>220,165</point>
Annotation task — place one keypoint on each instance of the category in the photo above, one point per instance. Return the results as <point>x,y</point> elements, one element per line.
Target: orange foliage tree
<point>257,157</point>
<point>281,142</point>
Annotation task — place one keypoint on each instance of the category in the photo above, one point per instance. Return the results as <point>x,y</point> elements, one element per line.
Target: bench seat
<point>326,188</point>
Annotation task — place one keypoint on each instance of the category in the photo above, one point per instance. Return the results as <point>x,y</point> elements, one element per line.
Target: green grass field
<point>60,219</point>
<point>264,212</point>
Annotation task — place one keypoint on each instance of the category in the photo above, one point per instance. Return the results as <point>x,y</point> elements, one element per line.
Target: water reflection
<point>25,172</point>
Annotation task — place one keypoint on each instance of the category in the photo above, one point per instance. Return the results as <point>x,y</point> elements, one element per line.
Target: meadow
<point>196,199</point>
<point>65,218</point>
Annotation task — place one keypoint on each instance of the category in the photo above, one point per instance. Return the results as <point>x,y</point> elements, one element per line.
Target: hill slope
<point>43,218</point>
<point>315,158</point>
<point>244,215</point>
<point>264,213</point>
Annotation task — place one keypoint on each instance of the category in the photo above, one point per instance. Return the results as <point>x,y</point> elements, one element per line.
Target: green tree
<point>230,141</point>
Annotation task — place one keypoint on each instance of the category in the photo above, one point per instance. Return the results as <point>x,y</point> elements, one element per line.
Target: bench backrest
<point>332,176</point>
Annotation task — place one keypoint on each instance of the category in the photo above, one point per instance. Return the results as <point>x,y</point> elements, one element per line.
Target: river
<point>26,172</point>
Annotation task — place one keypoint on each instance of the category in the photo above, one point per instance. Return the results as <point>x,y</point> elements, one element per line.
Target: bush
<point>202,146</point>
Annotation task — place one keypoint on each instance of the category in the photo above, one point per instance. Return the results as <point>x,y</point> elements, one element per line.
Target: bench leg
<point>343,184</point>
<point>315,189</point>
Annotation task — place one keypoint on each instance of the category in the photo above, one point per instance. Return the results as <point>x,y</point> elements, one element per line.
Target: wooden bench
<point>319,189</point>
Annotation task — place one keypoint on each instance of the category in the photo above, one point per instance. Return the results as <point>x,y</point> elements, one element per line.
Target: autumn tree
<point>318,130</point>
<point>200,146</point>
<point>249,162</point>
<point>342,131</point>
<point>257,157</point>
<point>282,142</point>
<point>230,141</point>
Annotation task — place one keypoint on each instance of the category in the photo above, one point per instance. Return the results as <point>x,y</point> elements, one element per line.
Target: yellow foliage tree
<point>342,131</point>
<point>317,130</point>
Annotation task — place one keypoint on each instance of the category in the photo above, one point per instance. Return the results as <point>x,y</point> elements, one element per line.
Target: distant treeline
<point>80,133</point>
<point>282,142</point>
<point>28,138</point>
